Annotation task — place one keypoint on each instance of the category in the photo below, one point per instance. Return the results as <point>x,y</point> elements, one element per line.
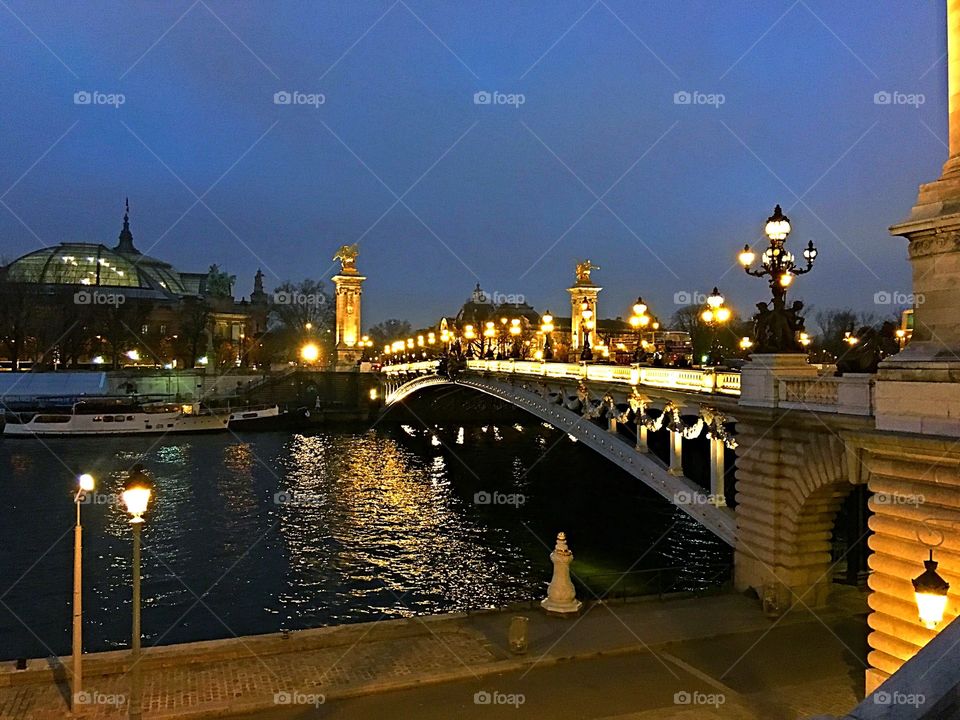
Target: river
<point>259,532</point>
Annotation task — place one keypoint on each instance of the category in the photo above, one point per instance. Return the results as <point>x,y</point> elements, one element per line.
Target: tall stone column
<point>915,477</point>
<point>348,288</point>
<point>583,290</point>
<point>919,389</point>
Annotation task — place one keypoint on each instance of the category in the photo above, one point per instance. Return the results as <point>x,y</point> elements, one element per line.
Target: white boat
<point>264,417</point>
<point>114,417</point>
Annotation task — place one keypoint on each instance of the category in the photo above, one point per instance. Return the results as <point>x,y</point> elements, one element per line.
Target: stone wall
<point>915,483</point>
<point>792,476</point>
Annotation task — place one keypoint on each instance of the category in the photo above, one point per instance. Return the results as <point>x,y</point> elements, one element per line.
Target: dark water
<point>371,524</point>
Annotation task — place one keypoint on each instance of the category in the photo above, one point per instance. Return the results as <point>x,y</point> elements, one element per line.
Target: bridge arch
<point>791,483</point>
<point>567,411</point>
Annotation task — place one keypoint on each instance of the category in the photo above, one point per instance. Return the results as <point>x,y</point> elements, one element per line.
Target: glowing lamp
<point>136,494</point>
<point>86,482</point>
<point>778,225</point>
<point>747,256</point>
<point>310,352</point>
<point>930,591</point>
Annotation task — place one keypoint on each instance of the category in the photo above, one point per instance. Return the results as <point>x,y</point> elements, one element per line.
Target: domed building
<point>151,290</point>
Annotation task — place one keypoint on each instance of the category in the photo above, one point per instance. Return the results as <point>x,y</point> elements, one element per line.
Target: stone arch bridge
<point>802,437</point>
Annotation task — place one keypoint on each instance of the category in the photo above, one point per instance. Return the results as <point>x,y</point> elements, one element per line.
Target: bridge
<point>800,439</point>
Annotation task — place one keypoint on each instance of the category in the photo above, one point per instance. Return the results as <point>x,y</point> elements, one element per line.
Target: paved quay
<point>615,661</point>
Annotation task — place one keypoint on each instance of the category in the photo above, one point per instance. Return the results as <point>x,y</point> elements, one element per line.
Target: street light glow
<point>309,352</point>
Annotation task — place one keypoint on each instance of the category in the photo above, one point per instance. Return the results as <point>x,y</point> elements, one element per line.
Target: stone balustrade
<point>726,382</point>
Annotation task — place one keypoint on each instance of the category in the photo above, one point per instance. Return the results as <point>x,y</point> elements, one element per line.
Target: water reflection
<point>274,531</point>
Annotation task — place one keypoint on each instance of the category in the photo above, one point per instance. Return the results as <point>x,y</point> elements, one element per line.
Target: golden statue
<point>347,255</point>
<point>583,272</point>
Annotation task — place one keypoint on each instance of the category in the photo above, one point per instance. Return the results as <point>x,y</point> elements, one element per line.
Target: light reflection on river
<point>268,531</point>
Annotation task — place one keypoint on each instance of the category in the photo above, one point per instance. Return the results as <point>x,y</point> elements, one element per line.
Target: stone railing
<point>848,395</point>
<point>685,379</point>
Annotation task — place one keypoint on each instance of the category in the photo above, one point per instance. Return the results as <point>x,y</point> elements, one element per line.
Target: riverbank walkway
<point>707,657</point>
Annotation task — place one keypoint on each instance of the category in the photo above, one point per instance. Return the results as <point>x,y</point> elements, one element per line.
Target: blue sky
<point>599,161</point>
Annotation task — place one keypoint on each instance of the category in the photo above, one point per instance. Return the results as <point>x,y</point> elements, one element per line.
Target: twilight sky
<point>600,160</point>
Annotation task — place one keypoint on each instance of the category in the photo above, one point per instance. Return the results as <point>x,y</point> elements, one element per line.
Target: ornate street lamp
<point>136,497</point>
<point>587,324</point>
<point>777,326</point>
<point>714,315</point>
<point>515,331</point>
<point>469,334</point>
<point>638,321</point>
<point>546,326</point>
<point>85,484</point>
<point>490,334</point>
<point>930,591</point>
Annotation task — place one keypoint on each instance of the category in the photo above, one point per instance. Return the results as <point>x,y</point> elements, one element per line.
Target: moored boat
<point>114,417</point>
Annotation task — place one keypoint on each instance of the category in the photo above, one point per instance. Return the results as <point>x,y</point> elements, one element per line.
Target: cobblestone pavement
<point>625,662</point>
<point>175,691</point>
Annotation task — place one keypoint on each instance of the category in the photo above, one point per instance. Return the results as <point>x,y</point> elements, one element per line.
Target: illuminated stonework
<point>348,284</point>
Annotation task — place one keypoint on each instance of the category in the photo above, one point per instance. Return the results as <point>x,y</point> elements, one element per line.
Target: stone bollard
<point>561,596</point>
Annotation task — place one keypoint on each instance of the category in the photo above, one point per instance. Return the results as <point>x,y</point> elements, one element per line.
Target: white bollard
<point>561,596</point>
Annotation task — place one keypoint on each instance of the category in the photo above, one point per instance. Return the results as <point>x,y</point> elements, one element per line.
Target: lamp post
<point>546,326</point>
<point>136,496</point>
<point>715,315</point>
<point>490,333</point>
<point>85,484</point>
<point>469,335</point>
<point>777,326</point>
<point>587,324</point>
<point>638,321</point>
<point>515,332</point>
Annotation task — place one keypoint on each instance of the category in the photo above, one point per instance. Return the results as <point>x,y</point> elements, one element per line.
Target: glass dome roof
<point>95,265</point>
